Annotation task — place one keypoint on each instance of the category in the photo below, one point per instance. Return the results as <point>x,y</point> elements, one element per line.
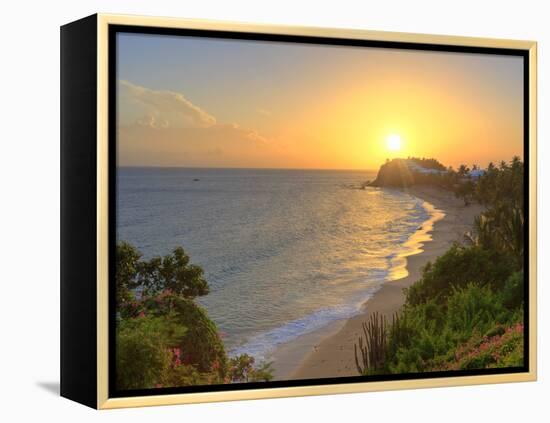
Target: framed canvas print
<point>257,211</point>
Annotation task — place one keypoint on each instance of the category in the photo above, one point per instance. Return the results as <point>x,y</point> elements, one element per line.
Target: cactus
<point>373,346</point>
<point>399,330</point>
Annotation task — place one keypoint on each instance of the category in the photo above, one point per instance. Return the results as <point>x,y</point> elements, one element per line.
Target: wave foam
<point>260,346</point>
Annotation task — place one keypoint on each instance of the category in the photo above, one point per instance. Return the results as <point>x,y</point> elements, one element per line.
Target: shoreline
<point>329,351</point>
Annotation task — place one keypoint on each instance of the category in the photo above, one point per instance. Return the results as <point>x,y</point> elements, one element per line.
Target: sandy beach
<point>329,352</point>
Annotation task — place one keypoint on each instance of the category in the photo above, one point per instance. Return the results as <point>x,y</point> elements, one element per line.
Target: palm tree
<point>463,170</point>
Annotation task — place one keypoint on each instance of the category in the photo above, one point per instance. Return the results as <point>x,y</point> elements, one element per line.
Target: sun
<point>393,142</point>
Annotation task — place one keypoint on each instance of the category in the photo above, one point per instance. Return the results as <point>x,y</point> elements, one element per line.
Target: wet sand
<point>329,352</point>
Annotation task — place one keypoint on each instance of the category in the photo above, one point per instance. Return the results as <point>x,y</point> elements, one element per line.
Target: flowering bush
<point>473,329</point>
<point>163,338</point>
<point>500,350</point>
<point>201,345</point>
<point>167,340</point>
<point>142,350</point>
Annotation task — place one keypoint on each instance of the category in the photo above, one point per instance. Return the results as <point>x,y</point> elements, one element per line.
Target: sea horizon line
<point>245,168</point>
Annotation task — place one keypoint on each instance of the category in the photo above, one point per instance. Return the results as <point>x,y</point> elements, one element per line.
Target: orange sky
<point>213,103</point>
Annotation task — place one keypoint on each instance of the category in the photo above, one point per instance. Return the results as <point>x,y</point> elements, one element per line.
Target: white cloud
<point>162,109</point>
<point>165,128</point>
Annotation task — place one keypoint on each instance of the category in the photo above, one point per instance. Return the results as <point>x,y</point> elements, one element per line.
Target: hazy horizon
<point>244,168</point>
<point>211,103</point>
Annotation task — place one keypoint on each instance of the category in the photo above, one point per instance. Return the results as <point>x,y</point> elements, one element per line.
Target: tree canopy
<point>172,272</point>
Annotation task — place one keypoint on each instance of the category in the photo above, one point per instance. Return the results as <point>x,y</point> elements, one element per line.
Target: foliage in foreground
<point>466,311</point>
<point>163,337</point>
<point>458,267</point>
<point>241,369</point>
<point>373,349</point>
<point>501,347</point>
<point>466,332</point>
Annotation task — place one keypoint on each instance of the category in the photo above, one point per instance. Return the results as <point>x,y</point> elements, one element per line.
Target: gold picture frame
<point>97,34</point>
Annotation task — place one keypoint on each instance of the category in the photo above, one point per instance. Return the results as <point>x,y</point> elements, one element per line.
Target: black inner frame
<point>113,30</point>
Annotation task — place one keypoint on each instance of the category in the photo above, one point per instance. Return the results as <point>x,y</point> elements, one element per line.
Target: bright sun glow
<point>393,142</point>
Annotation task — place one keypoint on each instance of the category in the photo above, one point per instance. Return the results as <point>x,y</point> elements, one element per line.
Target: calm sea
<point>285,252</point>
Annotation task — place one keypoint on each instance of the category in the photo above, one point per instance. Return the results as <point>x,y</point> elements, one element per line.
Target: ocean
<point>285,252</point>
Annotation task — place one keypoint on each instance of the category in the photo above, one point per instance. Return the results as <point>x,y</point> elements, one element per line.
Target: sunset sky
<point>200,102</point>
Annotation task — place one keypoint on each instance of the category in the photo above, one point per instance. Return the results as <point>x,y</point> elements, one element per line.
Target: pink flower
<point>176,351</point>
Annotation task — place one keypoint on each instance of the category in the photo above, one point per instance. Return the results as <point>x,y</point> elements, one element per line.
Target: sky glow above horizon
<point>200,102</point>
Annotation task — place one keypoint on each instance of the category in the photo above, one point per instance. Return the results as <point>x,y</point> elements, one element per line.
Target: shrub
<point>466,310</point>
<point>513,291</point>
<point>127,263</point>
<point>458,267</point>
<point>472,309</point>
<point>163,338</point>
<point>242,369</point>
<point>503,349</point>
<point>158,319</point>
<point>424,336</point>
<point>201,344</point>
<point>143,350</point>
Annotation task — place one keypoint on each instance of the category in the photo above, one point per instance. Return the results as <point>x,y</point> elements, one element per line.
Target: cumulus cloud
<point>165,128</point>
<point>163,109</point>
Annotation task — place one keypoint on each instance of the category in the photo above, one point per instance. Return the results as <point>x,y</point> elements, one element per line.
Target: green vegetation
<point>501,227</point>
<point>459,266</point>
<point>242,370</point>
<point>427,163</point>
<point>466,311</point>
<point>163,337</point>
<point>502,183</point>
<point>172,272</point>
<point>373,350</point>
